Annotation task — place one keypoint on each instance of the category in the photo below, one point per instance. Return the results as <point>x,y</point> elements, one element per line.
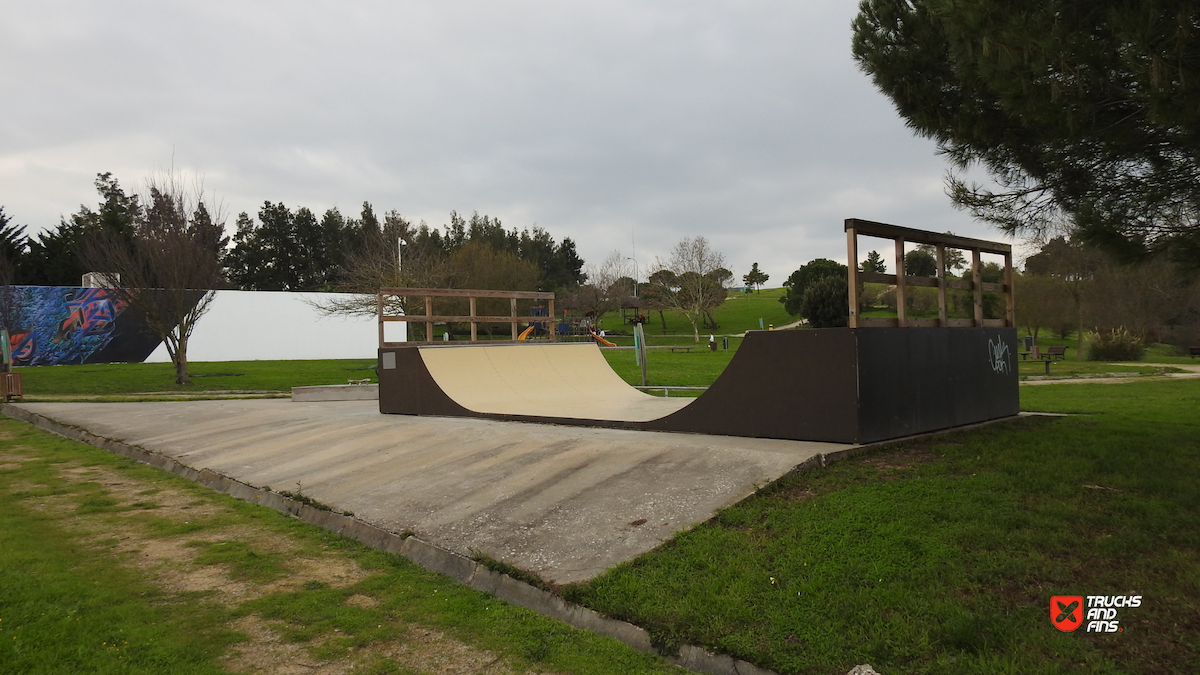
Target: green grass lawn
<point>129,378</point>
<point>940,555</point>
<point>740,313</point>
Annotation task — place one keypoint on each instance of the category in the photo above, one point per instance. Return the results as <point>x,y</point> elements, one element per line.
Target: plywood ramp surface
<point>543,380</point>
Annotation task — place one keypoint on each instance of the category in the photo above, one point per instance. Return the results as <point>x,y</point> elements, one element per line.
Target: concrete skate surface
<point>564,502</point>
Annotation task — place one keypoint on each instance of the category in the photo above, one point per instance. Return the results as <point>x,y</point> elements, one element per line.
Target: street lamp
<point>636,275</point>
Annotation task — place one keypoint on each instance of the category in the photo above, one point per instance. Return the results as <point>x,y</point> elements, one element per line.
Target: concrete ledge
<point>336,392</point>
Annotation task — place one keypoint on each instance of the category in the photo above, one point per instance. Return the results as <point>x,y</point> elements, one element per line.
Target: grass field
<point>250,376</point>
<point>740,313</point>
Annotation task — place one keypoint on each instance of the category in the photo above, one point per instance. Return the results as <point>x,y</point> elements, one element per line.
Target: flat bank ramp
<point>541,380</point>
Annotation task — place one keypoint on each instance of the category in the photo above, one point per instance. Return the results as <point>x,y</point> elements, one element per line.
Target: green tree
<point>920,263</point>
<point>874,264</point>
<point>1082,110</point>
<point>1075,266</point>
<point>293,251</point>
<point>755,278</point>
<point>13,241</point>
<point>55,257</point>
<point>826,302</point>
<point>808,273</point>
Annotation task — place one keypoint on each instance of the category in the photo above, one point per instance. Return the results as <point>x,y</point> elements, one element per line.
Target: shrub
<point>1115,345</point>
<point>826,303</point>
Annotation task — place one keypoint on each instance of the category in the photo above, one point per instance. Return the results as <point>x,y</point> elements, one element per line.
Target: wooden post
<point>901,295</point>
<point>551,324</point>
<point>977,282</point>
<point>941,279</point>
<point>513,305</point>
<point>852,266</point>
<point>379,301</point>
<point>429,324</point>
<point>474,331</point>
<point>1010,310</point>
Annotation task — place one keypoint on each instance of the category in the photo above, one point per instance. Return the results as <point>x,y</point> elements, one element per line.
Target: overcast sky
<point>618,124</point>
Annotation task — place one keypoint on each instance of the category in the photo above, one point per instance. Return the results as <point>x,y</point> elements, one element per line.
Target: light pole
<point>636,274</point>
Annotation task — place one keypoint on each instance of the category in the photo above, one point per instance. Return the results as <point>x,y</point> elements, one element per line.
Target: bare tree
<point>388,260</point>
<point>608,286</point>
<point>698,277</point>
<point>169,270</point>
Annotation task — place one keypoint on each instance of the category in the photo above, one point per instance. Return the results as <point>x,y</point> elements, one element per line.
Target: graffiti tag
<point>999,355</point>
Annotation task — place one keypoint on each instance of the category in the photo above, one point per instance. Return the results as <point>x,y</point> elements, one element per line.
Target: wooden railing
<point>940,242</point>
<point>429,318</point>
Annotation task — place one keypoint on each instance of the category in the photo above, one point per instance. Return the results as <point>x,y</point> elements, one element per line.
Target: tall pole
<point>637,274</point>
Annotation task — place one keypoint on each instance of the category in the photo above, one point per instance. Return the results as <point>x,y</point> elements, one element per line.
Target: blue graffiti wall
<point>55,325</point>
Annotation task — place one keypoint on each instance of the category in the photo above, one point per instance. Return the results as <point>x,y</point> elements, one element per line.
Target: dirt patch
<point>266,652</point>
<point>363,601</point>
<point>433,652</point>
<point>899,459</point>
<point>170,563</point>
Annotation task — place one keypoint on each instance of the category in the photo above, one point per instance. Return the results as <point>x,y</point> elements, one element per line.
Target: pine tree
<point>756,277</point>
<point>1083,111</point>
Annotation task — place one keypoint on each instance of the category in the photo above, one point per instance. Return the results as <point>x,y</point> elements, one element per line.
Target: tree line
<point>292,249</point>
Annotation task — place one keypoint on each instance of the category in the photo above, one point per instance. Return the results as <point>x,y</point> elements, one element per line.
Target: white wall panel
<point>277,325</point>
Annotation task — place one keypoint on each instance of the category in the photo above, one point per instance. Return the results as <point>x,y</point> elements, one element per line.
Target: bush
<point>826,303</point>
<point>1115,345</point>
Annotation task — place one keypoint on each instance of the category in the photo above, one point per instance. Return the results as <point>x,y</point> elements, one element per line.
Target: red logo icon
<point>1066,612</point>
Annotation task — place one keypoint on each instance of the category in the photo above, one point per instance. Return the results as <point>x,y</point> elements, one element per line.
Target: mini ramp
<point>842,385</point>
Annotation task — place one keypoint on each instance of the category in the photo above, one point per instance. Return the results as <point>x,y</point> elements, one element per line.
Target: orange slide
<point>601,340</point>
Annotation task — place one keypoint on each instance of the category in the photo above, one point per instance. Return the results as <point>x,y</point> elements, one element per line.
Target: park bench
<point>682,349</point>
<point>1056,352</point>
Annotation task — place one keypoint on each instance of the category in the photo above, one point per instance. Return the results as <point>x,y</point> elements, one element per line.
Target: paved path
<point>1193,371</point>
<point>565,502</point>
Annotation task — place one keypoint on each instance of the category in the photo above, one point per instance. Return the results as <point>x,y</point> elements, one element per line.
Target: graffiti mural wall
<point>55,325</point>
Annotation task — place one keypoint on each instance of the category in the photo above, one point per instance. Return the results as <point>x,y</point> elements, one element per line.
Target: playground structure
<point>869,382</point>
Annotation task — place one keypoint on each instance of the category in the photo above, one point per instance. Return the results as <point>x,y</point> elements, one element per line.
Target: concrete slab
<point>559,501</point>
<point>336,392</point>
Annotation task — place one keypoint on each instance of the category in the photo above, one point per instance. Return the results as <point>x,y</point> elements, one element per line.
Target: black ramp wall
<point>794,384</point>
<point>915,380</point>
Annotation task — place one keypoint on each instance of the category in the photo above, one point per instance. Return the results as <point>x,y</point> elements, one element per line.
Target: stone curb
<point>431,557</point>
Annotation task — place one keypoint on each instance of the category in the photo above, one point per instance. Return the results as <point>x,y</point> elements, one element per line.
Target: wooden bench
<point>681,349</point>
<point>1056,352</point>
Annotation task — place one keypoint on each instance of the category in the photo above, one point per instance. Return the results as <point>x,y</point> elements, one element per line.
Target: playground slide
<point>601,340</point>
<point>525,333</point>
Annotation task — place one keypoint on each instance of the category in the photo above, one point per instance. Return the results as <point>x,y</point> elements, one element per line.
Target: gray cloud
<point>746,123</point>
